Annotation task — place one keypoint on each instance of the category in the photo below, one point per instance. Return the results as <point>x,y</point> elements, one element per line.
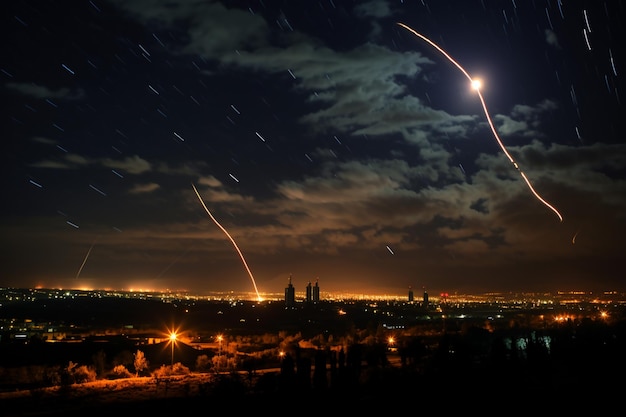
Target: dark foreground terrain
<point>518,364</point>
<point>392,391</point>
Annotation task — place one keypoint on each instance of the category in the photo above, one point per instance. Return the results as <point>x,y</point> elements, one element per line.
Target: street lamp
<point>391,341</point>
<point>172,342</point>
<point>219,352</point>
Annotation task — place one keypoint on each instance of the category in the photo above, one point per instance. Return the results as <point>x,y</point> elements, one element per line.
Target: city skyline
<point>302,295</point>
<point>211,146</point>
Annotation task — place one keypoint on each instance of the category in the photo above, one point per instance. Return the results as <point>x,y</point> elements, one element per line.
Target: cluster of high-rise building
<point>411,297</point>
<point>312,294</point>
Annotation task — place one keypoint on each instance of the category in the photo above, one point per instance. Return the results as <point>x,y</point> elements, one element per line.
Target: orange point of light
<point>173,334</point>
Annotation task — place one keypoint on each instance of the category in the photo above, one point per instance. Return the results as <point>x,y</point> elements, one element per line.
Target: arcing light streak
<point>258,296</point>
<point>476,86</point>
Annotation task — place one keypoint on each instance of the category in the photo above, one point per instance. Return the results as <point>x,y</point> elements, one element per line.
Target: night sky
<point>331,143</point>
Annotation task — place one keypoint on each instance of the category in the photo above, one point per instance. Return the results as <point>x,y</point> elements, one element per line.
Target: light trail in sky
<point>172,263</point>
<point>86,257</point>
<point>476,86</point>
<point>245,264</point>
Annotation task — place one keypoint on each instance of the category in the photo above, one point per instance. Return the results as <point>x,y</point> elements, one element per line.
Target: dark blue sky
<point>330,142</point>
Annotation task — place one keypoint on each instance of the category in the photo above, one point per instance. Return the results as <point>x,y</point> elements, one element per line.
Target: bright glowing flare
<point>476,85</point>
<point>245,264</point>
<point>173,337</point>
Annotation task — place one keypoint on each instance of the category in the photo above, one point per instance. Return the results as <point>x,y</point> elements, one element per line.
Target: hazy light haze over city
<point>328,141</point>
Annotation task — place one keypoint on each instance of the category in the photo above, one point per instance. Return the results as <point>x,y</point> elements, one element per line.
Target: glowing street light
<point>173,337</point>
<point>391,344</point>
<point>219,352</point>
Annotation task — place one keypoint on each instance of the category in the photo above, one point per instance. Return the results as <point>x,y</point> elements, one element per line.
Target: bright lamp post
<point>391,341</point>
<point>219,351</point>
<point>172,342</point>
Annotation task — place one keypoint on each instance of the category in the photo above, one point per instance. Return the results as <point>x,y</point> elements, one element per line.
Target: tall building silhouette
<point>425,301</point>
<point>312,292</point>
<point>309,293</point>
<point>316,291</point>
<point>290,294</point>
<point>410,294</point>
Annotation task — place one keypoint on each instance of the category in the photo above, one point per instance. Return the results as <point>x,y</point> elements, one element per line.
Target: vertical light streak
<point>476,87</point>
<point>587,39</point>
<point>612,62</point>
<point>245,264</point>
<point>587,20</point>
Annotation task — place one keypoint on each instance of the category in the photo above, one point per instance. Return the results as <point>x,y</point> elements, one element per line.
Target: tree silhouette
<point>140,363</point>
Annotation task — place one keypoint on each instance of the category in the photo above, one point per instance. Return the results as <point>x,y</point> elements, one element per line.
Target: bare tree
<point>140,363</point>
